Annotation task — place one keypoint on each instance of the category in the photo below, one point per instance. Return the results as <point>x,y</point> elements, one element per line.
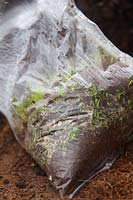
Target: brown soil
<point>22,179</point>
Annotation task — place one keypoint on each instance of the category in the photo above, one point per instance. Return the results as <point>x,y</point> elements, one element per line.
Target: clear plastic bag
<point>65,89</point>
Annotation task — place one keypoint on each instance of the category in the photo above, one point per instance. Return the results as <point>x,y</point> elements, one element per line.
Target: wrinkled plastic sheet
<point>65,89</point>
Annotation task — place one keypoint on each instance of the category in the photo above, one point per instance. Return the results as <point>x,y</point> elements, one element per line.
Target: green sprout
<point>61,91</point>
<point>97,115</point>
<point>130,103</point>
<point>35,135</point>
<point>69,74</point>
<point>73,133</point>
<point>130,83</point>
<point>21,109</point>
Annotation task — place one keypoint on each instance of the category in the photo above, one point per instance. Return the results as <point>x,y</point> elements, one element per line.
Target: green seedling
<point>21,109</point>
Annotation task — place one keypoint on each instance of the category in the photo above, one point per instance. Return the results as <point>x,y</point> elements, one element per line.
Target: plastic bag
<point>65,89</point>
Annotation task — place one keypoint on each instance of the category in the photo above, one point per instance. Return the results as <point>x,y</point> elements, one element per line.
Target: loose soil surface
<point>22,179</point>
